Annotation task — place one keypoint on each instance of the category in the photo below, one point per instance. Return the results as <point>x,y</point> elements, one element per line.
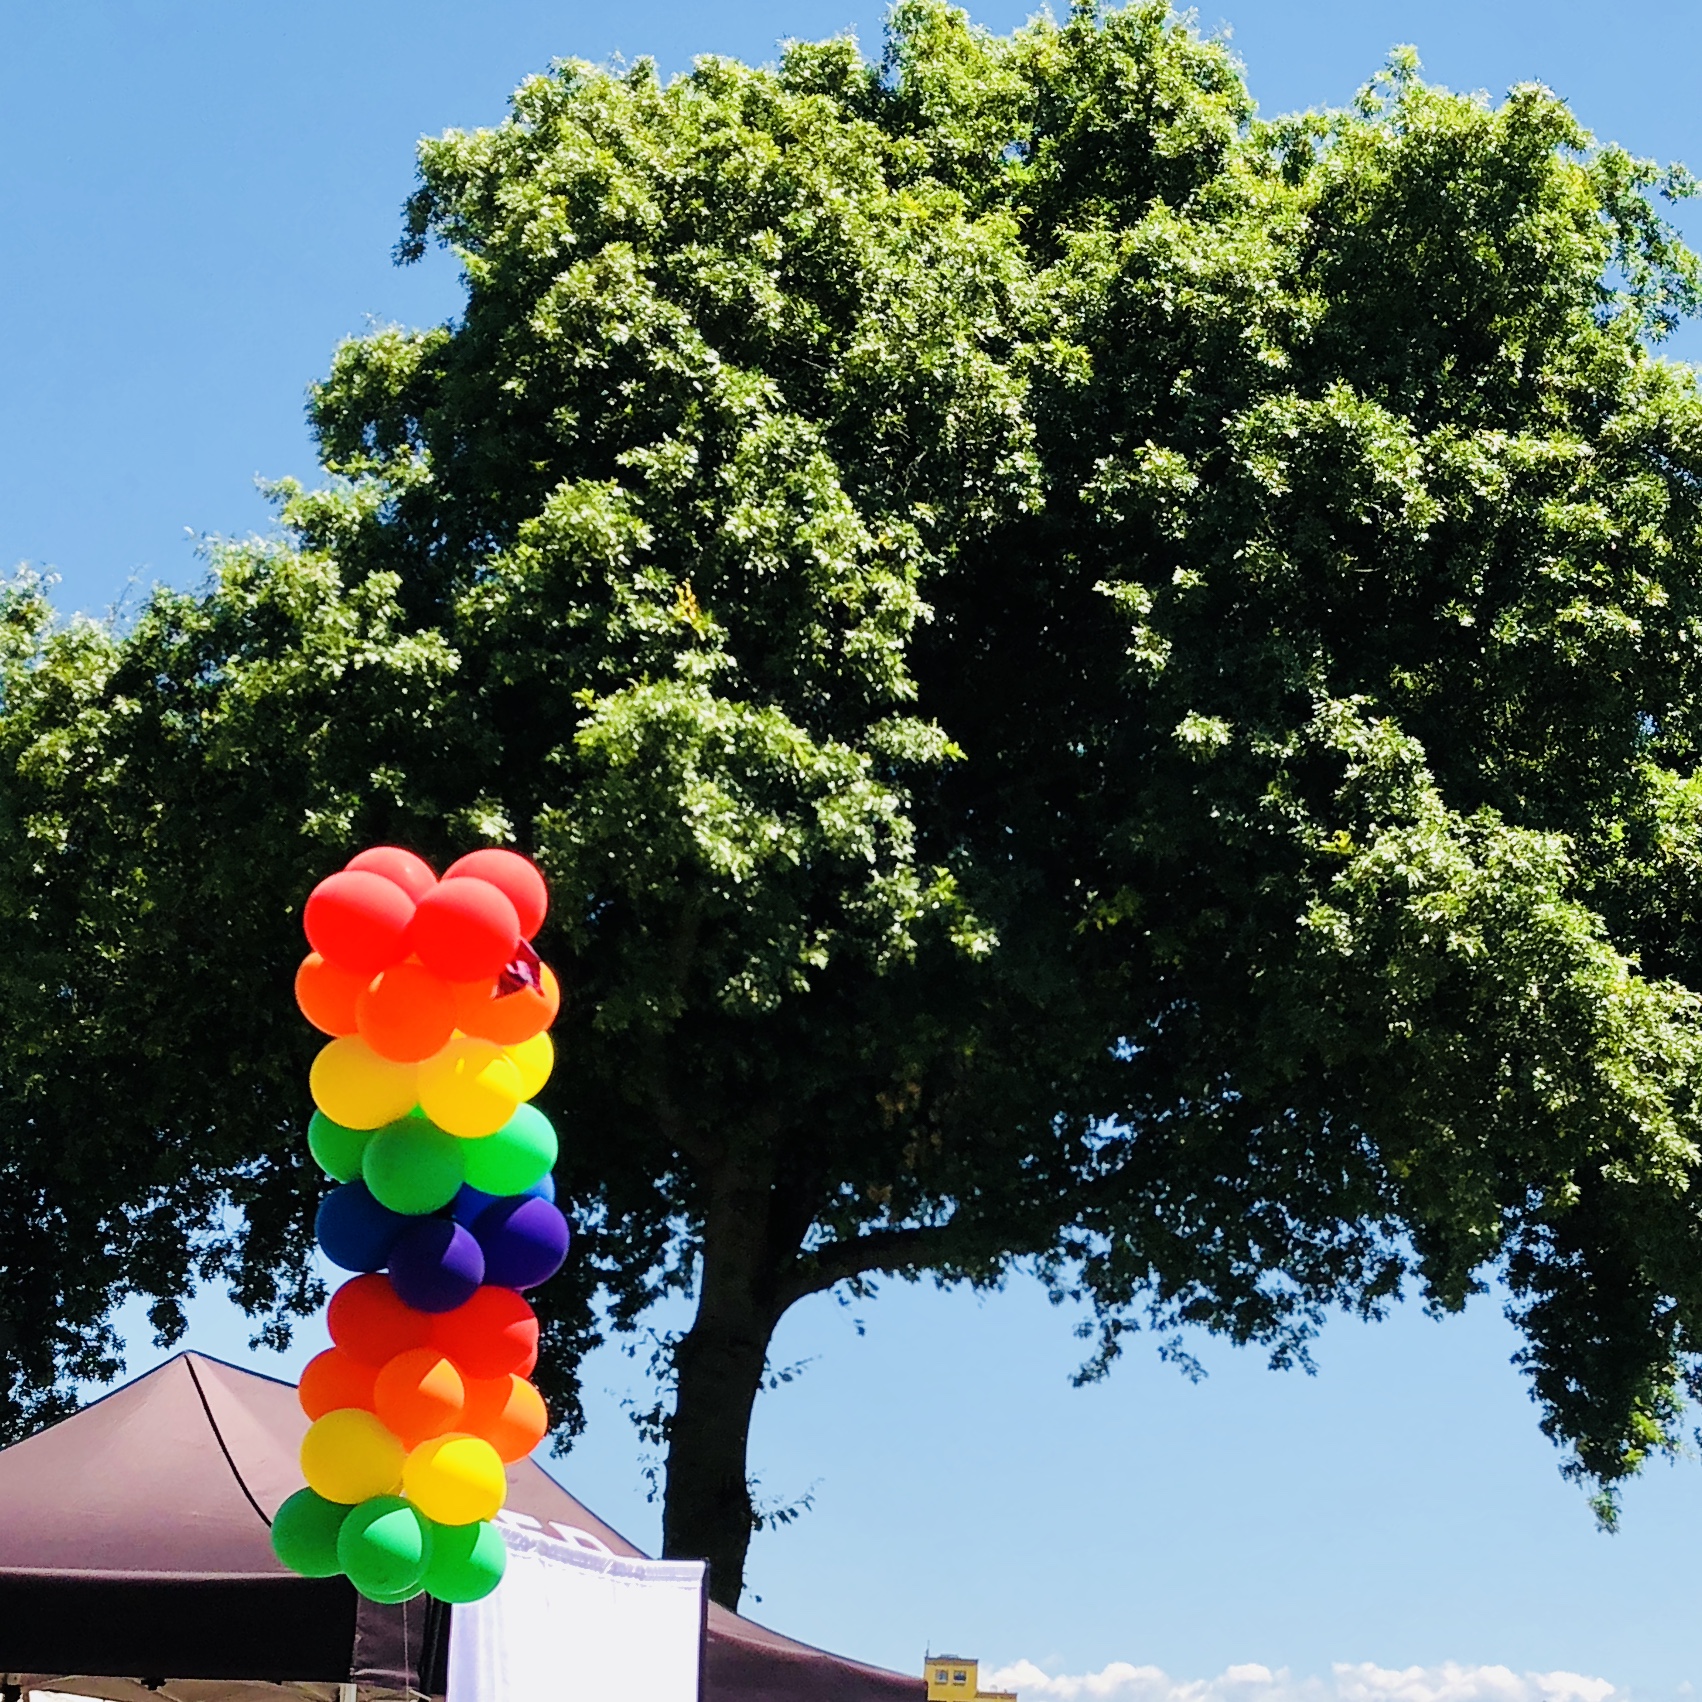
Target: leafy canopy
<point>1099,681</point>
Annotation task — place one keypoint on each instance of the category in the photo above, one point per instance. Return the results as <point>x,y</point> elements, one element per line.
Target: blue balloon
<point>467,1205</point>
<point>435,1264</point>
<point>470,1204</point>
<point>524,1240</point>
<point>355,1231</point>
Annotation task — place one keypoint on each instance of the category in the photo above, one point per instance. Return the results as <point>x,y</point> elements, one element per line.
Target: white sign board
<point>571,1622</point>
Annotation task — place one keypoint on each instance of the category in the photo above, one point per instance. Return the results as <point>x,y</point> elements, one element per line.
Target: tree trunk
<point>718,1367</point>
<point>707,1513</point>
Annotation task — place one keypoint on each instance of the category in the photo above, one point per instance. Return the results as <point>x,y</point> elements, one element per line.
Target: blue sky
<point>197,199</point>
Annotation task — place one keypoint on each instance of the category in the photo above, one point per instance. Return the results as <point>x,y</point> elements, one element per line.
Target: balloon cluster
<point>438,1009</point>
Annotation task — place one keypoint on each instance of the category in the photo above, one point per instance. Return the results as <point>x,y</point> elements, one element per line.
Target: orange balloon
<point>509,1413</point>
<point>331,1380</point>
<point>508,1018</point>
<point>406,1014</point>
<point>420,1394</point>
<point>327,994</point>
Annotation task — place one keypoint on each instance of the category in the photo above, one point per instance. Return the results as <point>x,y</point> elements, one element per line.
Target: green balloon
<point>304,1534</point>
<point>467,1561</point>
<point>516,1156</point>
<point>385,1547</point>
<point>413,1166</point>
<point>389,1597</point>
<point>336,1150</point>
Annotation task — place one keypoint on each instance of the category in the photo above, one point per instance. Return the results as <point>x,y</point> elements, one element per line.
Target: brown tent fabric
<point>135,1564</point>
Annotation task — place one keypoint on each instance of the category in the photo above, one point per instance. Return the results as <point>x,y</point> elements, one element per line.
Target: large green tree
<point>1100,682</point>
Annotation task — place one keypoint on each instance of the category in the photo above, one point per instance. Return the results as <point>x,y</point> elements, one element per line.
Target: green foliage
<point>1099,681</point>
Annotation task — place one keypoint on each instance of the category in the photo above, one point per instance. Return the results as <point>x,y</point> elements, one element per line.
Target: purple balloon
<point>435,1265</point>
<point>525,1240</point>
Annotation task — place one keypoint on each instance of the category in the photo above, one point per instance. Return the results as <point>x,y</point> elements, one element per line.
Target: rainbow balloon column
<point>438,1008</point>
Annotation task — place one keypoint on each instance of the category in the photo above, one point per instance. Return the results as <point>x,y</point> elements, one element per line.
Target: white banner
<point>571,1622</point>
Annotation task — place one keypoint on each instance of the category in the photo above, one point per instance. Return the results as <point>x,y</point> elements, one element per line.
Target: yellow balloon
<point>534,1059</point>
<point>469,1088</point>
<point>455,1479</point>
<point>349,1455</point>
<point>353,1086</point>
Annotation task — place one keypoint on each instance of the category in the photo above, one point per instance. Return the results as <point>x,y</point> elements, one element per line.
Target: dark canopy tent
<point>135,1563</point>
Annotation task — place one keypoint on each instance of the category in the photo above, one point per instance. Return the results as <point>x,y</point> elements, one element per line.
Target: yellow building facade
<point>957,1678</point>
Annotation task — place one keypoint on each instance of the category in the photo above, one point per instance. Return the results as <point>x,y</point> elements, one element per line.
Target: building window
<point>960,1678</point>
<point>941,1676</point>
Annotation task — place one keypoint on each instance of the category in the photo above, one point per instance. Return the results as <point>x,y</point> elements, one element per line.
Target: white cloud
<point>1348,1682</point>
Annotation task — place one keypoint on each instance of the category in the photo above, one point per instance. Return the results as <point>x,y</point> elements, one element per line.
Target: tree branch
<point>820,1268</point>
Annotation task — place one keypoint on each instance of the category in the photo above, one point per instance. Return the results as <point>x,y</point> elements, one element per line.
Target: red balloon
<point>513,874</point>
<point>495,1334</point>
<point>412,874</point>
<point>327,994</point>
<point>465,930</point>
<point>359,921</point>
<point>406,1014</point>
<point>370,1322</point>
<point>332,1380</point>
